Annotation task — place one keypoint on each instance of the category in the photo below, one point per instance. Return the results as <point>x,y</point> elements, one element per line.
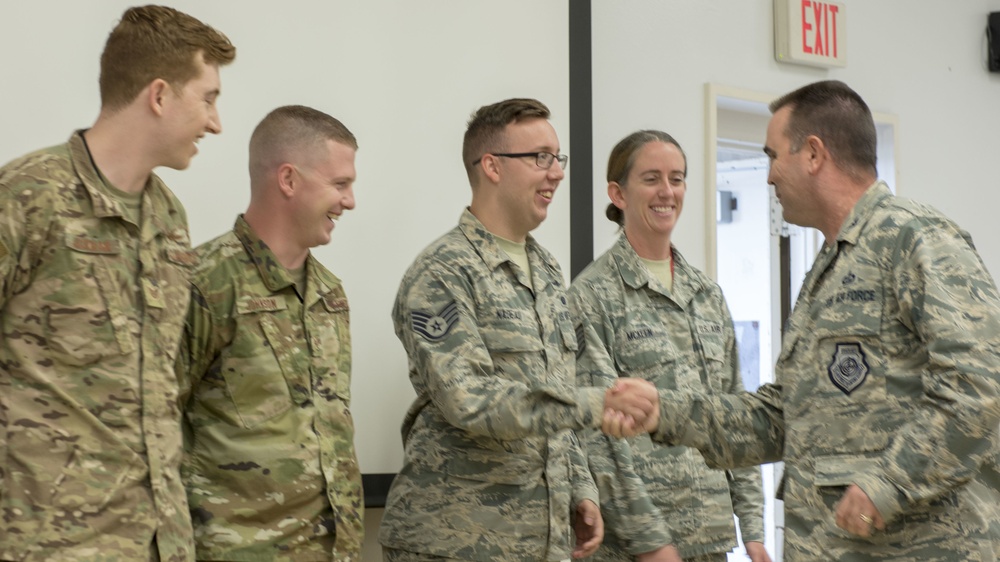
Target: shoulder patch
<point>581,341</point>
<point>434,327</point>
<point>848,367</point>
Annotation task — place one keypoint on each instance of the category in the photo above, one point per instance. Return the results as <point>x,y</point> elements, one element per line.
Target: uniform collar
<point>635,274</point>
<point>485,242</point>
<point>157,206</point>
<point>486,246</point>
<point>272,273</point>
<point>850,231</point>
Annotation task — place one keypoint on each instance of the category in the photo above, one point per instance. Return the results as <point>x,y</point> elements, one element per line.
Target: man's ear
<point>490,165</point>
<point>287,179</point>
<point>817,152</point>
<point>156,95</point>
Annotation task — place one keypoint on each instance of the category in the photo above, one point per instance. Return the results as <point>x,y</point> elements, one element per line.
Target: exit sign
<point>810,32</point>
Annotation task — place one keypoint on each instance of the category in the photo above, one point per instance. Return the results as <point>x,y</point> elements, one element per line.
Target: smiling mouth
<point>547,195</point>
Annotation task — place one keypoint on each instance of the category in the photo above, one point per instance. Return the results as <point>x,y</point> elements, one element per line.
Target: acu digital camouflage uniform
<point>492,469</point>
<point>888,378</point>
<point>92,309</point>
<point>271,470</point>
<point>652,494</point>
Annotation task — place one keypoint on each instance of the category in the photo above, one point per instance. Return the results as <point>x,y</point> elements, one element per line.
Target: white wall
<point>403,76</point>
<point>922,60</point>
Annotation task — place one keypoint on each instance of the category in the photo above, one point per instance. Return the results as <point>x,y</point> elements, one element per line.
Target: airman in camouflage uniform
<point>492,470</point>
<point>887,395</point>
<point>651,494</point>
<point>642,311</point>
<point>271,470</point>
<point>94,267</point>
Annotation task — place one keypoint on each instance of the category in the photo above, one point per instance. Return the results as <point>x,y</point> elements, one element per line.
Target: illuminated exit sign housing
<point>810,32</point>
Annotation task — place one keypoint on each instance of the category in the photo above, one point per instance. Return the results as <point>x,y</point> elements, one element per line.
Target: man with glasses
<point>492,468</point>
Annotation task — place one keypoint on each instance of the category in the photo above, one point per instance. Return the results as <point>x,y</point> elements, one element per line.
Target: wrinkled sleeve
<point>196,349</point>
<point>948,299</point>
<point>23,232</point>
<point>745,489</point>
<point>582,481</point>
<point>628,510</point>
<point>730,430</point>
<point>748,502</point>
<point>16,259</point>
<point>455,370</point>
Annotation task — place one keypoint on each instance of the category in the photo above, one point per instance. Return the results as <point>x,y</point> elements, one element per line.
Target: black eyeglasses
<point>543,160</point>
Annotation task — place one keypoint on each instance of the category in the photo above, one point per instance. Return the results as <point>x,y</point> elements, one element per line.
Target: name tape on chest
<point>89,245</point>
<point>434,327</point>
<point>642,333</point>
<point>261,304</point>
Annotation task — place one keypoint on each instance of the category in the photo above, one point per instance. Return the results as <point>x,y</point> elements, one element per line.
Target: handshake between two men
<point>631,407</point>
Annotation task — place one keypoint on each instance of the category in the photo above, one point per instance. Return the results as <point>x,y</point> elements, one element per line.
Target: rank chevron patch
<point>434,327</point>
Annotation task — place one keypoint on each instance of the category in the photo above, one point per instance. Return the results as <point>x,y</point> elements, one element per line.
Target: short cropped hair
<point>293,132</point>
<point>153,42</point>
<point>836,114</point>
<point>623,158</point>
<point>485,131</point>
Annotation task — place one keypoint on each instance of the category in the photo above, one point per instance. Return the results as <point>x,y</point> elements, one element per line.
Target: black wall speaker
<point>993,42</point>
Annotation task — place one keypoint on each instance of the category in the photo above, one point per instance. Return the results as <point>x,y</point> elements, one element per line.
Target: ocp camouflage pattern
<point>91,308</point>
<point>271,469</point>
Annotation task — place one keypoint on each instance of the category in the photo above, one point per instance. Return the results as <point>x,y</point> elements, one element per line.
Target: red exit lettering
<point>819,28</point>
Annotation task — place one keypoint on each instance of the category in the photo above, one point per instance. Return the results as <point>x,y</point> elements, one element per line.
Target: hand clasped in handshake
<point>631,407</point>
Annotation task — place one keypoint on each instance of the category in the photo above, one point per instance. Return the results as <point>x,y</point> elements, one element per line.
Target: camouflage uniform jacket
<point>91,308</point>
<point>268,431</point>
<point>492,468</point>
<point>652,494</point>
<point>888,378</point>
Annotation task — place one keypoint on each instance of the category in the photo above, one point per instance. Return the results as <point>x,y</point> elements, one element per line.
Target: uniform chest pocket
<point>851,359</point>
<point>645,350</point>
<point>711,340</point>
<point>514,344</point>
<point>83,314</point>
<point>258,366</point>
